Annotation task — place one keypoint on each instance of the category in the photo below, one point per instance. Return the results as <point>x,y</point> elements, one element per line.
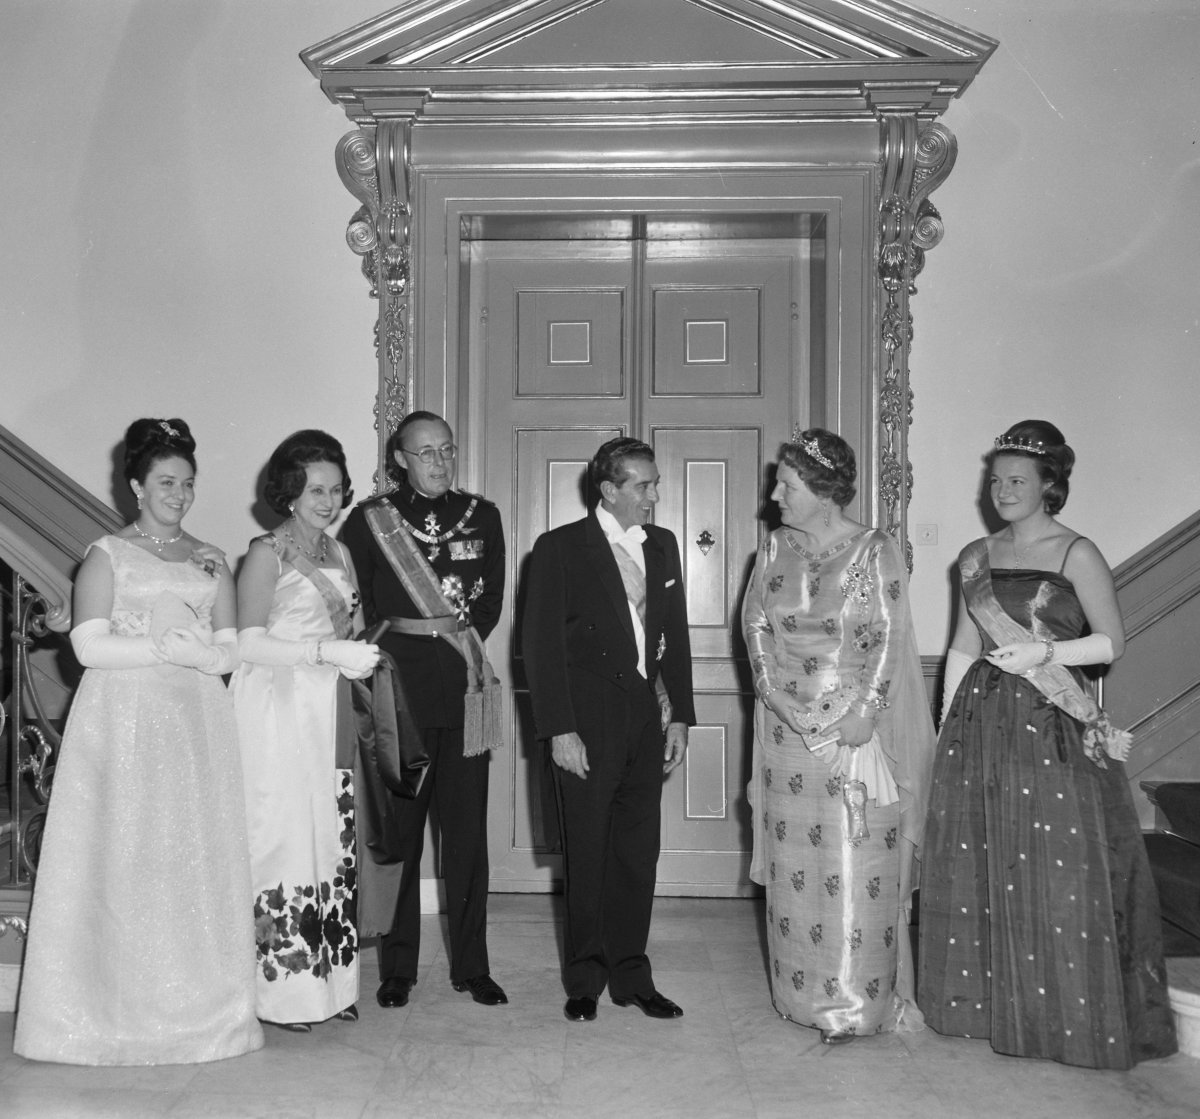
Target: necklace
<point>319,557</point>
<point>433,534</point>
<point>1019,557</point>
<point>159,542</point>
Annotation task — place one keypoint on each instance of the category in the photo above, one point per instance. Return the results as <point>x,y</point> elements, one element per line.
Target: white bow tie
<point>635,533</point>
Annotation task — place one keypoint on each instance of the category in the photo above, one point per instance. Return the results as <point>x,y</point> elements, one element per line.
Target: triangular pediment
<point>615,48</point>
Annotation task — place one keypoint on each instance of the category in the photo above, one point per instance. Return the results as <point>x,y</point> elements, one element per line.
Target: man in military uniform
<point>418,539</point>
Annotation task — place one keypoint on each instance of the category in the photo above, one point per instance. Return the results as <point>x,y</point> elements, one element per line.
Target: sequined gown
<point>829,629</point>
<point>300,813</point>
<point>1039,917</point>
<point>141,945</point>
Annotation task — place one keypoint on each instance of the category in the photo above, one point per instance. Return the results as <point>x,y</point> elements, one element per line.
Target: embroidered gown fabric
<point>830,629</point>
<point>1039,916</point>
<point>300,814</point>
<point>141,946</point>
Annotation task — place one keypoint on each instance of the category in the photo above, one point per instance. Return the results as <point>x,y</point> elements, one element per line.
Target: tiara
<point>168,429</point>
<point>1021,443</point>
<point>811,448</point>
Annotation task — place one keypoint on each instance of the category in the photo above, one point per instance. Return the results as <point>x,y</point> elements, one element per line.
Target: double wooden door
<point>699,346</point>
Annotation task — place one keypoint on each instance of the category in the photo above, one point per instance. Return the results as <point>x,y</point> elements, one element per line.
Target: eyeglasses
<point>430,455</point>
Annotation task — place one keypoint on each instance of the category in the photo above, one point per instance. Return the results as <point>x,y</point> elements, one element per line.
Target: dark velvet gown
<point>1039,918</point>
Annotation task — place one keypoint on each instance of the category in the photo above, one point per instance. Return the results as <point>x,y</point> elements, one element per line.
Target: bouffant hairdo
<point>395,472</point>
<point>1042,442</point>
<point>286,470</point>
<point>825,463</point>
<point>608,464</point>
<point>148,441</point>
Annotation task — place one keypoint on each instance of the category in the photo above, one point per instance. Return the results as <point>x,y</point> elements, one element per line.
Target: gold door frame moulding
<point>482,75</point>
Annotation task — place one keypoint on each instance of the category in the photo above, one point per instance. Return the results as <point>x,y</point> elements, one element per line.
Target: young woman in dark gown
<point>1039,917</point>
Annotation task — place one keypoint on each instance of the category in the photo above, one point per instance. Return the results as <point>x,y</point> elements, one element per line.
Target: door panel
<point>694,346</point>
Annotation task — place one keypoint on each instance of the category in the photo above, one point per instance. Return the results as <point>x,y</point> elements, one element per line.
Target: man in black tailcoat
<point>606,650</point>
<point>460,536</point>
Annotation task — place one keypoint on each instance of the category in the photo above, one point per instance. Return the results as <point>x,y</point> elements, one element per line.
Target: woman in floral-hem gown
<point>1040,926</point>
<point>141,946</point>
<point>842,747</point>
<point>297,602</point>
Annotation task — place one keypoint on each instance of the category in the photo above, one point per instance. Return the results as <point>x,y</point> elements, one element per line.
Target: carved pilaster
<point>915,162</point>
<point>374,166</point>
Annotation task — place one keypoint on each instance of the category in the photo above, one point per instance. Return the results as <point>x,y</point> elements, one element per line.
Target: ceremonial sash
<point>481,704</point>
<point>1100,737</point>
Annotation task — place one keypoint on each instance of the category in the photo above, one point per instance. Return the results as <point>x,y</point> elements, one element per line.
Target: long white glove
<point>256,647</point>
<point>1021,656</point>
<point>354,659</point>
<point>185,647</point>
<point>1096,648</point>
<point>957,663</point>
<point>96,646</point>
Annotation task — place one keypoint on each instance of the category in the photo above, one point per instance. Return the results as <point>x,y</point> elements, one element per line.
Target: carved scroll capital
<point>374,166</point>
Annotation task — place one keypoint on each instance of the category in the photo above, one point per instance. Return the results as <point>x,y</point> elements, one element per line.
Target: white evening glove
<point>185,647</point>
<point>957,663</point>
<point>1096,648</point>
<point>96,646</point>
<point>257,647</point>
<point>354,659</point>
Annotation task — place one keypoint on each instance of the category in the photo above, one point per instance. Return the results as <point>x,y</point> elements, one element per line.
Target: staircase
<point>46,523</point>
<point>1154,689</point>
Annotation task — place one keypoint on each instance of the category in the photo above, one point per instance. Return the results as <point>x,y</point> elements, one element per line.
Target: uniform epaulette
<point>477,497</point>
<point>376,497</point>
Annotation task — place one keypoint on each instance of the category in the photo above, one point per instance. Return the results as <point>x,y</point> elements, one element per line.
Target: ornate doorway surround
<point>696,221</point>
<point>674,93</point>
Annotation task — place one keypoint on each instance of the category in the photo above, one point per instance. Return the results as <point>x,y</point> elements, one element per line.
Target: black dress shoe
<point>652,1005</point>
<point>394,992</point>
<point>581,1009</point>
<point>350,1014</point>
<point>484,989</point>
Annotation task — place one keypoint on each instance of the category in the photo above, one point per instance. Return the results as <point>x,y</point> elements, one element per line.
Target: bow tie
<point>635,534</point>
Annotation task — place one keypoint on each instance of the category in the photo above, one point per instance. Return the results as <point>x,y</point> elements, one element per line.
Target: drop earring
<point>825,513</point>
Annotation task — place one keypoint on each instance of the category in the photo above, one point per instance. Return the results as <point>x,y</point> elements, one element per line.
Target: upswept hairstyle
<point>286,468</point>
<point>1042,442</point>
<point>395,472</point>
<point>834,478</point>
<point>149,440</point>
<point>608,464</point>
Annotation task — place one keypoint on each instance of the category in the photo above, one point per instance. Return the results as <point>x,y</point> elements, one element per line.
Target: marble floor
<point>729,1057</point>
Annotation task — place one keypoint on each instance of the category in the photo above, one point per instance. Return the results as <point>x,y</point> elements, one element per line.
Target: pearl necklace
<point>159,542</point>
<point>317,557</point>
<point>1019,557</point>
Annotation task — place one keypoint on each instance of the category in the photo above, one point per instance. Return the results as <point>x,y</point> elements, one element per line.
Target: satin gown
<point>300,813</point>
<point>1039,917</point>
<point>141,942</point>
<point>827,629</point>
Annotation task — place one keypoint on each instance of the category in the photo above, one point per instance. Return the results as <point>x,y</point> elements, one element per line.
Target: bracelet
<point>319,658</point>
<point>770,691</point>
<point>1049,654</point>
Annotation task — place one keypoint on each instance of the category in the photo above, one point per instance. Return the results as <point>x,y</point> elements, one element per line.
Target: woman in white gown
<point>297,607</point>
<point>141,946</point>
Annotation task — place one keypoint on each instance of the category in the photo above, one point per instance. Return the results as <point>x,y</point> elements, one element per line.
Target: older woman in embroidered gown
<point>1040,927</point>
<point>843,743</point>
<point>297,601</point>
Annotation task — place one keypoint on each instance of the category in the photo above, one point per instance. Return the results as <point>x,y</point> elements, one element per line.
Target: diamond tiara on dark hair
<point>811,448</point>
<point>1021,443</point>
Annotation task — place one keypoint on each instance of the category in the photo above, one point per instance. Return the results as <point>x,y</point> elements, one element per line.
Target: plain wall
<point>173,244</point>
